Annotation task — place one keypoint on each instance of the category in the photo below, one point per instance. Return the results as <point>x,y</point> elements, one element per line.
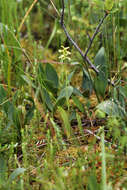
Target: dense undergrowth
<point>63,116</point>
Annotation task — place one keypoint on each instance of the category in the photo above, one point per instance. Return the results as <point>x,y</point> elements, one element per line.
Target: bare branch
<point>95,33</point>
<point>88,35</point>
<point>84,55</point>
<point>73,42</point>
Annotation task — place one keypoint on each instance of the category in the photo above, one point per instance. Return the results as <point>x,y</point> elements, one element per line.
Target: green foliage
<point>65,118</point>
<point>51,75</point>
<point>100,114</point>
<point>51,135</point>
<point>111,108</point>
<point>9,182</point>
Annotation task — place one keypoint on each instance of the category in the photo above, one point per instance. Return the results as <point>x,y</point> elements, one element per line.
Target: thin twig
<point>88,36</point>
<point>99,138</point>
<point>73,42</point>
<point>26,15</point>
<point>84,55</point>
<point>55,8</point>
<point>95,33</point>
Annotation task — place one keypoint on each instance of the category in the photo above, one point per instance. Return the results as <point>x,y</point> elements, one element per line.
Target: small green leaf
<point>51,75</point>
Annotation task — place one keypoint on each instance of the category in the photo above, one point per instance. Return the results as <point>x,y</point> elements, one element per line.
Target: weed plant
<point>63,115</point>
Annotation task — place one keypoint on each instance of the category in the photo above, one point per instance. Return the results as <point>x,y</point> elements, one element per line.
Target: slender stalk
<point>95,33</point>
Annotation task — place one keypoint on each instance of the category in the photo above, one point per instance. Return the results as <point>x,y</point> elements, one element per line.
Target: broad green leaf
<point>78,103</point>
<point>109,4</point>
<point>101,80</point>
<point>16,173</point>
<point>51,75</point>
<point>111,108</point>
<point>66,92</point>
<point>47,99</point>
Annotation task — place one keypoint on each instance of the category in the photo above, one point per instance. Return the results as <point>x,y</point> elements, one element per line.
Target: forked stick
<point>84,55</point>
